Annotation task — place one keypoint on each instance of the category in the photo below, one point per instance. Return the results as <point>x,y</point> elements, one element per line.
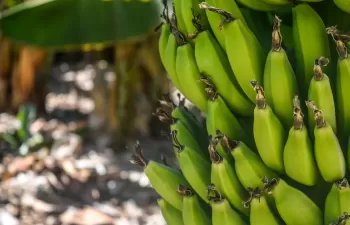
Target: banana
<point>194,167</point>
<point>337,201</point>
<point>170,60</point>
<point>177,10</point>
<point>215,68</point>
<point>188,73</point>
<point>185,137</point>
<point>222,213</point>
<point>165,180</point>
<point>249,167</point>
<point>342,84</point>
<point>164,33</point>
<point>219,117</point>
<point>269,134</point>
<point>298,157</point>
<point>293,205</point>
<point>260,211</point>
<point>259,5</point>
<point>277,2</point>
<point>215,19</point>
<point>244,52</point>
<point>188,8</point>
<point>344,5</point>
<point>171,215</point>
<point>327,148</point>
<point>221,147</point>
<point>224,177</point>
<point>279,79</point>
<point>194,212</point>
<point>310,42</point>
<point>320,91</point>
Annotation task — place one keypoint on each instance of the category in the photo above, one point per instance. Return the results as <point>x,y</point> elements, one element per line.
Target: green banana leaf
<point>57,23</point>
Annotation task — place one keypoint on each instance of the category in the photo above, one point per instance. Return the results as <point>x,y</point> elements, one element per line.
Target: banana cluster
<point>274,148</point>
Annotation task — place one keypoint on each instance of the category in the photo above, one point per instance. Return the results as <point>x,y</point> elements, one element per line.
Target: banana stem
<point>179,36</point>
<point>184,191</point>
<point>254,193</point>
<point>196,21</point>
<point>228,18</point>
<point>298,115</point>
<point>260,94</point>
<point>213,194</point>
<point>343,183</point>
<point>225,142</point>
<point>276,35</point>
<point>318,64</point>
<point>210,88</point>
<point>138,158</point>
<point>214,155</point>
<point>342,219</point>
<point>269,185</point>
<point>320,122</point>
<point>164,15</point>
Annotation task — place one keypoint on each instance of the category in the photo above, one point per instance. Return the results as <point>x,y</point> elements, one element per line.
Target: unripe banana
<point>222,213</point>
<point>259,5</point>
<point>170,60</point>
<point>344,5</point>
<point>249,167</point>
<point>164,33</point>
<point>219,117</point>
<point>215,19</point>
<point>277,2</point>
<point>179,22</point>
<point>310,42</point>
<point>320,91</point>
<point>185,137</point>
<point>194,167</point>
<point>269,134</point>
<point>260,211</point>
<point>293,205</point>
<point>171,215</point>
<point>244,52</point>
<point>224,177</point>
<point>279,79</point>
<point>215,68</point>
<point>328,153</point>
<point>194,211</point>
<point>342,90</point>
<point>337,201</point>
<point>165,180</point>
<point>188,9</point>
<point>188,74</point>
<point>298,157</point>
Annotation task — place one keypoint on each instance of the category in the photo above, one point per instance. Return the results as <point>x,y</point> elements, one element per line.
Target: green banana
<point>337,201</point>
<point>269,134</point>
<point>294,206</point>
<point>188,9</point>
<point>177,10</point>
<point>279,79</point>
<point>259,5</point>
<point>164,33</point>
<point>194,167</point>
<point>215,19</point>
<point>219,117</point>
<point>310,42</point>
<point>185,137</point>
<point>277,2</point>
<point>249,167</point>
<point>165,180</point>
<point>260,211</point>
<point>244,52</point>
<point>344,5</point>
<point>171,215</point>
<point>327,148</point>
<point>222,213</point>
<point>194,211</point>
<point>224,177</point>
<point>342,90</point>
<point>170,60</point>
<point>320,91</point>
<point>215,69</point>
<point>298,157</point>
<point>188,73</point>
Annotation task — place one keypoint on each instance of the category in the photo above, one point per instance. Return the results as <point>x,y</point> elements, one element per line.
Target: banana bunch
<point>272,78</point>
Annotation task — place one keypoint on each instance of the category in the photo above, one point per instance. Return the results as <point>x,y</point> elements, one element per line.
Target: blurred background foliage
<point>44,43</point>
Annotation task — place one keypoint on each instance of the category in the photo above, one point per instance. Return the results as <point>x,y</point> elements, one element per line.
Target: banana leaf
<point>62,23</point>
